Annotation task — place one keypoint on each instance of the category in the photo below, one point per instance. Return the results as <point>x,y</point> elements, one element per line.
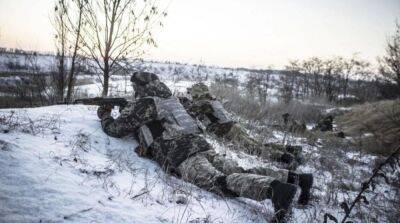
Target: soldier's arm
<point>118,127</point>
<point>132,117</point>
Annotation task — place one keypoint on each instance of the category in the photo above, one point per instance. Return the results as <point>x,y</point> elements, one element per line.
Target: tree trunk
<point>71,80</point>
<point>61,78</point>
<point>71,76</point>
<point>106,77</point>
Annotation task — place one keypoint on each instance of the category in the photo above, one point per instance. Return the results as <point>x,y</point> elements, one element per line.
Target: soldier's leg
<point>259,188</point>
<point>303,180</point>
<point>254,147</point>
<point>296,151</point>
<point>229,166</point>
<point>223,164</point>
<point>199,171</point>
<point>237,135</point>
<point>273,172</point>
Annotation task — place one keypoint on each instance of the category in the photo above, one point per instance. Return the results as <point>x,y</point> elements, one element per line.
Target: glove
<point>104,111</point>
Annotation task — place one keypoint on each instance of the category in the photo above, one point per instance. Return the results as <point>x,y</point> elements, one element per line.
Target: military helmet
<point>198,90</point>
<point>147,84</point>
<point>143,78</point>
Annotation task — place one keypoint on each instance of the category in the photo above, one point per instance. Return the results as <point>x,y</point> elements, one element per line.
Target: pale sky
<point>249,33</point>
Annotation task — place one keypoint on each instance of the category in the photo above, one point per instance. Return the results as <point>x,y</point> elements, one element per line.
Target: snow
<point>73,171</point>
<point>56,164</point>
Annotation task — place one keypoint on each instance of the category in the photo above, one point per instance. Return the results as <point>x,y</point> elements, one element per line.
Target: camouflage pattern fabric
<point>249,145</point>
<point>325,124</point>
<point>144,78</point>
<point>171,153</point>
<point>148,84</point>
<point>214,172</point>
<point>133,116</point>
<point>296,151</point>
<point>252,186</point>
<point>158,89</point>
<point>176,120</point>
<point>297,127</point>
<point>216,119</point>
<point>200,171</point>
<point>174,141</point>
<point>199,91</point>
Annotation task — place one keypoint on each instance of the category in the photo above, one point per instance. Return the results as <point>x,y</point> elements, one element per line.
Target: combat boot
<point>305,182</point>
<point>223,188</point>
<point>286,158</point>
<point>296,151</point>
<point>282,197</point>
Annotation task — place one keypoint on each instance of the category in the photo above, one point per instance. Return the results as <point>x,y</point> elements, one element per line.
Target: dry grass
<point>242,103</point>
<point>376,126</point>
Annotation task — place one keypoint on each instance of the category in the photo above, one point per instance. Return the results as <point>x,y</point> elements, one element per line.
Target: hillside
<point>66,168</point>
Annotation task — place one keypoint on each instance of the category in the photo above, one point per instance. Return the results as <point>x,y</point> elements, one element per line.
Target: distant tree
<point>348,70</point>
<point>363,72</point>
<point>118,29</point>
<point>390,63</point>
<point>75,24</point>
<point>289,80</point>
<point>332,71</point>
<point>68,22</point>
<point>61,32</point>
<point>314,67</point>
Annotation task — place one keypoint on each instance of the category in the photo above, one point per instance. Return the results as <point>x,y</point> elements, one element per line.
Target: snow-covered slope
<point>57,165</point>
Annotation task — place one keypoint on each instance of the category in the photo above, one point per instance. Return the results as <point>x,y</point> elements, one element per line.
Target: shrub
<point>374,125</point>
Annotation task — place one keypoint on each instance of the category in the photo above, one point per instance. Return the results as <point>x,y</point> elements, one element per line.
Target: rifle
<point>121,102</point>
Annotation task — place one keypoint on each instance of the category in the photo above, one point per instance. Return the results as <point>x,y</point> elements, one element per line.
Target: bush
<point>247,106</point>
<point>376,126</point>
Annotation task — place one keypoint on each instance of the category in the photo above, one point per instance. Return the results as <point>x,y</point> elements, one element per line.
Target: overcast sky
<point>250,33</point>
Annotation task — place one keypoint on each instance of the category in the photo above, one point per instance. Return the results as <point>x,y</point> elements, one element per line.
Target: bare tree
<point>332,71</point>
<point>118,29</point>
<point>289,80</point>
<point>68,22</point>
<point>75,21</point>
<point>348,69</point>
<point>60,27</point>
<point>390,63</point>
<point>314,66</point>
<point>362,71</point>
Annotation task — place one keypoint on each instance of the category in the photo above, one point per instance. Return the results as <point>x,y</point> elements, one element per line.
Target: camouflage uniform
<point>170,136</point>
<point>213,115</point>
<point>325,124</point>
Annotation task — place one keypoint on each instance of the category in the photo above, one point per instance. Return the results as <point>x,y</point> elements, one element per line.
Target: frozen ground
<point>65,168</point>
<point>57,165</point>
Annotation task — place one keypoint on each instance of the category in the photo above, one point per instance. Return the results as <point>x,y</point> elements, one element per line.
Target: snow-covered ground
<point>61,166</point>
<point>56,164</point>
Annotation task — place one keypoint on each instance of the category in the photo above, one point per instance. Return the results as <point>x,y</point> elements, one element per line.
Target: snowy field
<point>57,165</point>
<point>65,168</point>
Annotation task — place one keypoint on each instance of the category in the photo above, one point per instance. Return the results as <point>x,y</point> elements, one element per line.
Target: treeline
<point>337,78</point>
<point>333,79</point>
